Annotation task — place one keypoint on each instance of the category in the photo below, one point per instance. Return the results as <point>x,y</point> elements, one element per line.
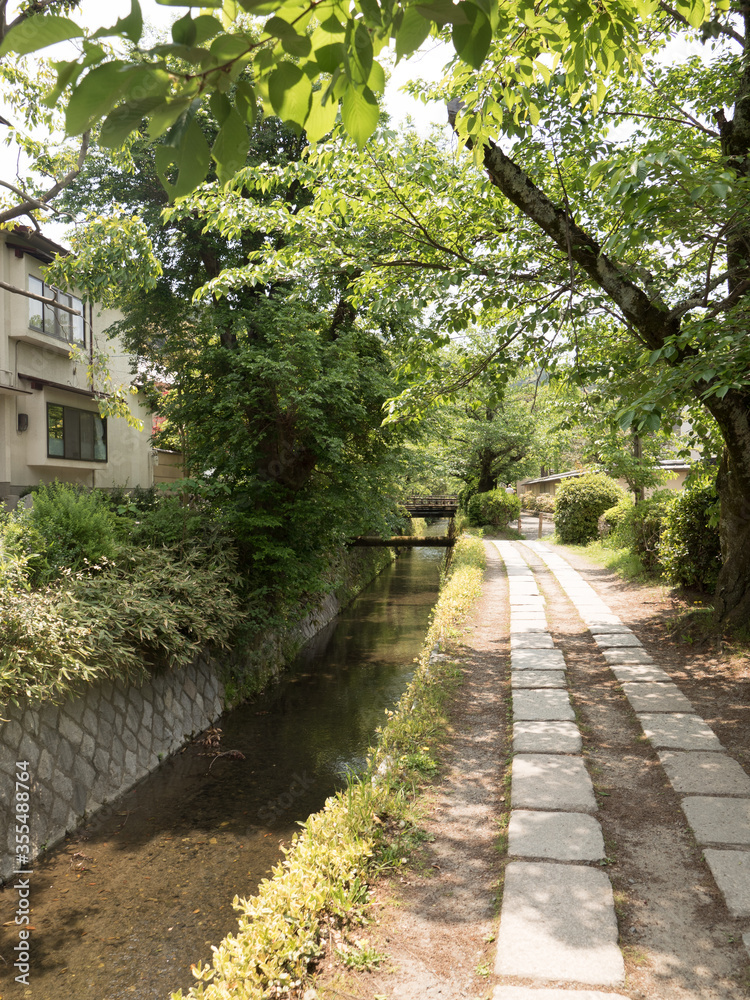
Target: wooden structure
<point>420,507</point>
<point>431,506</point>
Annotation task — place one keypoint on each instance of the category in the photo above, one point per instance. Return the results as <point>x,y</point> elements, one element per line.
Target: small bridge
<point>431,506</point>
<point>420,507</point>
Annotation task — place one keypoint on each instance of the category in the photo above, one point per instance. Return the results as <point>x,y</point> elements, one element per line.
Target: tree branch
<point>653,322</point>
<point>723,29</point>
<point>30,204</point>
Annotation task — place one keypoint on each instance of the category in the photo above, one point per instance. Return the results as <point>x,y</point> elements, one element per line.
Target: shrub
<point>152,607</point>
<point>545,504</point>
<point>72,526</point>
<point>612,518</point>
<point>641,527</point>
<point>495,507</point>
<point>580,502</point>
<point>528,501</point>
<point>689,547</point>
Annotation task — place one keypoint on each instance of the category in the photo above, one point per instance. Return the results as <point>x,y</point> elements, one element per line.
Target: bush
<point>580,502</point>
<point>641,527</point>
<point>545,504</point>
<point>689,547</point>
<point>611,519</point>
<point>496,508</point>
<point>69,526</point>
<point>528,501</point>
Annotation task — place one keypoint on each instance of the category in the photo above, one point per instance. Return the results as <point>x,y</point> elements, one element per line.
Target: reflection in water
<point>122,909</point>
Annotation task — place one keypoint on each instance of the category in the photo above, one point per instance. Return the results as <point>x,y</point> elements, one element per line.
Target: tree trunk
<point>732,598</point>
<point>487,481</point>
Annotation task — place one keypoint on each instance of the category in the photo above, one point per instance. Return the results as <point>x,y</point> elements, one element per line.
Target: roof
<point>669,464</point>
<point>30,241</point>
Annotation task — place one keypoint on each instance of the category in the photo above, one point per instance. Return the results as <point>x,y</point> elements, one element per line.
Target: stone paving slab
<point>601,619</point>
<point>626,655</point>
<point>610,630</point>
<point>653,696</point>
<point>542,705</point>
<point>558,923</point>
<point>537,659</point>
<point>525,586</point>
<point>718,819</point>
<point>527,604</point>
<point>532,640</point>
<point>626,672</point>
<point>537,679</point>
<point>678,732</point>
<point>699,773</point>
<point>610,640</point>
<point>535,624</point>
<point>560,836</point>
<point>529,993</point>
<point>731,871</point>
<point>551,782</point>
<point>546,737</point>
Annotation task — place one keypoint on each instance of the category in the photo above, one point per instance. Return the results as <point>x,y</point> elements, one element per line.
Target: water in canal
<point>124,907</point>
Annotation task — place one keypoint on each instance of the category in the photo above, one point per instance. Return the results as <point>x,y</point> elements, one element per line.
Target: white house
<point>50,426</point>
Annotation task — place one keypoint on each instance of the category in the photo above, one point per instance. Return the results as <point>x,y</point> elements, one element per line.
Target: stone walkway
<point>558,919</point>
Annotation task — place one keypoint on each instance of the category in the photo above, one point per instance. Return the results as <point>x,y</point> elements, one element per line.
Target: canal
<point>124,906</point>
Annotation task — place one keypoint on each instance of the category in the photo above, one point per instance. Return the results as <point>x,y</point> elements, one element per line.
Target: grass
<point>321,888</point>
<point>621,561</point>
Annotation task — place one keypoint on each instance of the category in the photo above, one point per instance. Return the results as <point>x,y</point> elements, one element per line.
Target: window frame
<point>53,322</point>
<point>74,434</point>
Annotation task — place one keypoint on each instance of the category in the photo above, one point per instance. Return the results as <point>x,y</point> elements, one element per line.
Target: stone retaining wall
<point>96,746</point>
<point>92,748</point>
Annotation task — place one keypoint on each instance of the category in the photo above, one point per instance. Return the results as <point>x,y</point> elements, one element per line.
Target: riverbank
<point>435,923</point>
<point>316,899</point>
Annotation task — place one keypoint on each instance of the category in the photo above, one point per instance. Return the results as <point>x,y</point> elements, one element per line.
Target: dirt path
<point>436,922</point>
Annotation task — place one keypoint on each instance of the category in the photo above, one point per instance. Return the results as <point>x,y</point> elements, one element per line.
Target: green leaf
<point>290,93</point>
<point>160,121</point>
<point>413,31</point>
<point>443,12</point>
<point>472,40</point>
<point>131,26</point>
<point>94,96</point>
<point>38,32</point>
<point>184,31</point>
<point>119,123</point>
<point>231,147</point>
<point>189,152</point>
<point>246,101</point>
<point>190,3</point>
<point>359,113</point>
<point>328,45</point>
<point>321,119</point>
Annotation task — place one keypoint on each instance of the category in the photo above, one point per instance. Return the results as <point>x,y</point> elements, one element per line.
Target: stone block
<point>551,782</point>
<point>29,749</point>
<point>626,654</point>
<point>558,923</point>
<point>543,705</point>
<point>611,629</point>
<point>30,719</point>
<point>531,640</point>
<point>617,640</point>
<point>45,766</point>
<point>101,761</point>
<point>74,709</point>
<point>529,993</point>
<point>105,733</point>
<point>129,740</point>
<point>537,679</point>
<point>117,753</point>
<point>700,773</point>
<point>601,618</point>
<point>537,659</point>
<point>626,672</point>
<point>546,737</point>
<point>88,746</point>
<point>130,769</point>
<point>536,625</point>
<point>10,735</point>
<point>718,819</point>
<point>70,730</point>
<point>678,732</point>
<point>731,871</point>
<point>655,696</point>
<point>558,836</point>
<point>90,721</point>
<point>64,756</point>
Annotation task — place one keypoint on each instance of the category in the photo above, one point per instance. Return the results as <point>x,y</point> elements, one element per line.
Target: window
<point>51,320</point>
<point>75,434</point>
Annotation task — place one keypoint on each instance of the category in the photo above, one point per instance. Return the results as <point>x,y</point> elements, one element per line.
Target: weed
<point>363,958</point>
<point>483,969</point>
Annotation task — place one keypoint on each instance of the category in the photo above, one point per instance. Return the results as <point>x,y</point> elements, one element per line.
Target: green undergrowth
<point>321,888</point>
<point>621,561</point>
